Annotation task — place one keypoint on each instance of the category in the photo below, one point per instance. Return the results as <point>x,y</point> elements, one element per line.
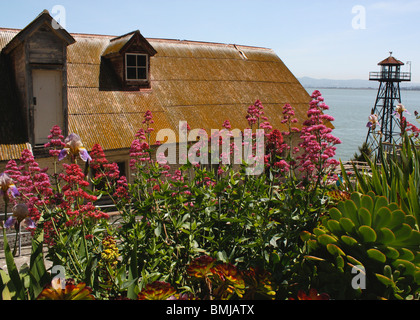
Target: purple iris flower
<point>7,186</point>
<point>74,146</point>
<point>20,213</point>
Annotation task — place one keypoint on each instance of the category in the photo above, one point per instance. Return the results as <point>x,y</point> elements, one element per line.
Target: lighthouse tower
<point>387,128</point>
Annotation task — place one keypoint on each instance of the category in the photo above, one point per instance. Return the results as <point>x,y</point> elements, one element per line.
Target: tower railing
<point>390,76</point>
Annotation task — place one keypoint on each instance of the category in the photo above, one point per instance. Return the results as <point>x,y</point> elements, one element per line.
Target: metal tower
<point>387,128</point>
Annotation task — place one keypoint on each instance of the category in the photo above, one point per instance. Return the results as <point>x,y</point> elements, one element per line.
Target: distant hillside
<point>308,82</point>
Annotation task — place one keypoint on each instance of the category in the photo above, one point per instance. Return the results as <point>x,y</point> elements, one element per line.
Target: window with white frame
<point>136,67</point>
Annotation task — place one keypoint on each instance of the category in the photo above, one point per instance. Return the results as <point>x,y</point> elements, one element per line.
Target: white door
<point>48,103</point>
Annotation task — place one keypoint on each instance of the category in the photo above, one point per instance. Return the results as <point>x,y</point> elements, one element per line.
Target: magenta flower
<point>75,147</point>
<point>7,186</point>
<point>20,214</point>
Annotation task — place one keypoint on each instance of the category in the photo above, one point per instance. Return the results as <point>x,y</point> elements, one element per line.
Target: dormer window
<point>130,56</point>
<point>137,67</point>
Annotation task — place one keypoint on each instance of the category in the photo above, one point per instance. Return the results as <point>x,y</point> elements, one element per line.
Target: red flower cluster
<point>77,203</point>
<point>100,165</point>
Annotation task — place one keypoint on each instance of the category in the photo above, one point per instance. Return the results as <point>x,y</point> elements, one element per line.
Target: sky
<point>334,39</point>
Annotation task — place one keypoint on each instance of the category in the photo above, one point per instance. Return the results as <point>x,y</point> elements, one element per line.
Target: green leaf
<point>347,225</point>
<point>388,271</point>
<point>397,218</point>
<point>382,218</point>
<point>403,232</point>
<point>385,280</point>
<point>368,234</point>
<point>406,254</point>
<point>364,217</point>
<point>385,236</point>
<point>318,232</point>
<point>12,270</point>
<point>380,202</point>
<point>351,211</point>
<point>334,226</point>
<point>354,261</point>
<point>391,253</point>
<point>335,250</point>
<point>367,203</point>
<point>4,286</point>
<point>376,255</point>
<point>339,262</point>
<point>274,258</point>
<point>133,274</point>
<point>326,239</point>
<point>409,267</point>
<point>349,240</point>
<point>335,214</point>
<point>158,230</point>
<point>305,236</point>
<point>312,258</point>
<point>38,273</point>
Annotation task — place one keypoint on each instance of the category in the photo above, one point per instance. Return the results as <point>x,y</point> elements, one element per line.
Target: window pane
<point>131,73</point>
<point>142,73</point>
<point>131,60</point>
<point>141,61</point>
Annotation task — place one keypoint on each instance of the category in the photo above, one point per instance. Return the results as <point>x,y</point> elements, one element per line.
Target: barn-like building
<point>100,86</point>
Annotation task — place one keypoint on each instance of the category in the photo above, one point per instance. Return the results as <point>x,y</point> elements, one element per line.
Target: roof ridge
<point>114,37</point>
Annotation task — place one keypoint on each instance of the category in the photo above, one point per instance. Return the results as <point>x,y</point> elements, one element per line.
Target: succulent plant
<point>369,233</point>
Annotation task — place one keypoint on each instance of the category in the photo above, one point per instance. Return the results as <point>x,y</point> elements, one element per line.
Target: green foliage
<point>28,282</point>
<point>366,231</point>
<point>396,176</point>
<point>239,219</point>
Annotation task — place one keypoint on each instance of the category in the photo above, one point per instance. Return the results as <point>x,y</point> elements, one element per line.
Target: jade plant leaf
<point>367,234</point>
<point>376,255</point>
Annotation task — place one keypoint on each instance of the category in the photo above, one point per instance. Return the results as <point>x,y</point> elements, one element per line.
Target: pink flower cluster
<point>56,141</point>
<point>255,113</point>
<point>32,182</point>
<point>139,151</point>
<point>317,143</point>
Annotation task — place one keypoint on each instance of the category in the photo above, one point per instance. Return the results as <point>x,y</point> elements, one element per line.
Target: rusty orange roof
<point>198,82</point>
<point>390,61</point>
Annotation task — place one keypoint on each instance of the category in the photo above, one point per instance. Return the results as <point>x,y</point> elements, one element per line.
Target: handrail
<point>396,76</point>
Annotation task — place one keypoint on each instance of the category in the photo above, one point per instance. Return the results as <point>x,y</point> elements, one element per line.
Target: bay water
<point>351,109</point>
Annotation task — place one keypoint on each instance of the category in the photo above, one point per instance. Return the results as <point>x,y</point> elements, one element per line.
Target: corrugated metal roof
<point>198,82</point>
<point>12,151</point>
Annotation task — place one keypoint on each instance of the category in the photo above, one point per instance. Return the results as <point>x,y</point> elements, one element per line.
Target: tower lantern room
<point>386,127</point>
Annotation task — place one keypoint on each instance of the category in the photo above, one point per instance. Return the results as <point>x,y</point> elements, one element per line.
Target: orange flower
<point>230,280</point>
<point>201,267</point>
<point>259,284</point>
<point>157,290</point>
<point>313,295</point>
<point>56,291</point>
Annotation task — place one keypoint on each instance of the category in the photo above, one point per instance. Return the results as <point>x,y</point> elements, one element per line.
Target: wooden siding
<point>45,47</point>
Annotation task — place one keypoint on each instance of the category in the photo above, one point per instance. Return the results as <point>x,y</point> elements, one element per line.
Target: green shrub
<point>366,231</point>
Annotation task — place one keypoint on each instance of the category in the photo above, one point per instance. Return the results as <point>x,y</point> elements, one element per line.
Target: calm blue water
<point>351,109</point>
